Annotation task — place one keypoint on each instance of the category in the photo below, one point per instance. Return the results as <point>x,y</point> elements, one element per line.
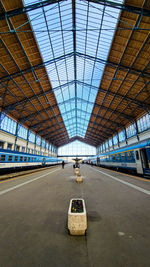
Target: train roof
<point>23,153</point>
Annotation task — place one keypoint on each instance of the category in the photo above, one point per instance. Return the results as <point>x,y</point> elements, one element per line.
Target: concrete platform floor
<point>33,220</point>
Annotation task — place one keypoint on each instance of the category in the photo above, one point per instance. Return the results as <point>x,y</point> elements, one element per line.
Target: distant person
<point>63,164</point>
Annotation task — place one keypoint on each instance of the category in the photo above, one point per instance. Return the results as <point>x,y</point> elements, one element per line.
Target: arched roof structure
<point>75,69</point>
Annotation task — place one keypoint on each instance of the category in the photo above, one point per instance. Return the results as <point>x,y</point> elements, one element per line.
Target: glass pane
<point>76,148</point>
<point>75,78</point>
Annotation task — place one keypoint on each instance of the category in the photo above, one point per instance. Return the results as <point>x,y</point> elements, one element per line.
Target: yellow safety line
<point>142,179</point>
<point>7,180</point>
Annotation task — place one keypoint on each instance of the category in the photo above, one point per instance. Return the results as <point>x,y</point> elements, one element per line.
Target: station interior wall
<point>140,137</point>
<point>7,141</point>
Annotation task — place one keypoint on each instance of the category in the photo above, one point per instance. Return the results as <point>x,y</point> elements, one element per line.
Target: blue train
<point>13,159</point>
<point>134,158</point>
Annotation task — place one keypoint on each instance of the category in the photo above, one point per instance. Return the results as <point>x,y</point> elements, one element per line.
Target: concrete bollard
<point>77,217</point>
<point>79,179</point>
<point>76,171</point>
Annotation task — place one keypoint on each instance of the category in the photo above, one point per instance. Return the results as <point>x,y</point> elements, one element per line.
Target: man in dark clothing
<point>63,163</point>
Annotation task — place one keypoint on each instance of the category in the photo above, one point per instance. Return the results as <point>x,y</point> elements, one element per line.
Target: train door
<point>144,158</point>
<point>98,161</point>
<point>43,161</point>
<point>138,160</point>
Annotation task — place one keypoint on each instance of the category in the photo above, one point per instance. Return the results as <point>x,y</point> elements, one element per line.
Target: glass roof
<point>75,52</point>
<point>76,148</point>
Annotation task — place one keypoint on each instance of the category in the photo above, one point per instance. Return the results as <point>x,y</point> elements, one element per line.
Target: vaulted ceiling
<point>75,69</point>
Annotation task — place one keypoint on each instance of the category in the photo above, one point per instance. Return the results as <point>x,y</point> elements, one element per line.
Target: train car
<point>134,158</point>
<point>14,159</point>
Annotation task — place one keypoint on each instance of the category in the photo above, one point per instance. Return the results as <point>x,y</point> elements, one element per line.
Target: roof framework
<point>56,76</point>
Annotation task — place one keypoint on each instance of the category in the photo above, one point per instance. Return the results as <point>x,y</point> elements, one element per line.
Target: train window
<point>28,158</point>
<point>21,158</point>
<point>16,158</point>
<point>10,158</point>
<point>3,157</point>
<point>1,144</point>
<point>137,155</point>
<point>123,156</point>
<point>17,148</point>
<point>9,146</point>
<point>133,156</point>
<point>25,158</point>
<point>31,159</point>
<point>113,157</point>
<point>129,155</point>
<point>107,158</point>
<point>118,157</point>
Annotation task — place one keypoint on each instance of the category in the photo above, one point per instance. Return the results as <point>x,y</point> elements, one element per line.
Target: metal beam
<point>11,107</point>
<point>96,137</point>
<point>102,138</point>
<point>84,140</point>
<point>33,115</point>
<point>137,102</point>
<point>138,19</point>
<point>123,7</point>
<point>112,64</point>
<point>15,108</point>
<point>97,105</point>
<point>21,102</point>
<point>49,40</point>
<point>33,73</point>
<point>14,82</point>
<point>74,50</point>
<point>72,54</point>
<point>56,139</point>
<point>28,8</point>
<point>101,131</point>
<point>85,112</point>
<point>52,137</point>
<point>37,66</point>
<point>108,129</point>
<point>44,121</point>
<point>62,130</point>
<point>147,38</point>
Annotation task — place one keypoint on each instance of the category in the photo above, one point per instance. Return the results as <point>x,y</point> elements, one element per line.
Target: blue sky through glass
<point>95,27</point>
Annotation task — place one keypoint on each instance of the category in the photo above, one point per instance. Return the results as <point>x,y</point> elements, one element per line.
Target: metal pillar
<point>74,50</point>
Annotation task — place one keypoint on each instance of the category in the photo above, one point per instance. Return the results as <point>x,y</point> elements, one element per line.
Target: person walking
<point>63,163</point>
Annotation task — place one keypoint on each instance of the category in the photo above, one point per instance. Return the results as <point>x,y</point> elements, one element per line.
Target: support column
<point>118,140</point>
<point>0,119</point>
<point>45,147</point>
<point>137,131</point>
<point>40,146</point>
<point>126,139</point>
<point>16,136</point>
<point>112,143</point>
<point>27,141</point>
<point>35,144</point>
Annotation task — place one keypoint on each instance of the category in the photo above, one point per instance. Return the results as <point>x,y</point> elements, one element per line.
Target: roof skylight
<point>95,27</point>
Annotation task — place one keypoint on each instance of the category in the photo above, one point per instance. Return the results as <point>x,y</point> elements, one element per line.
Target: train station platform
<point>33,219</point>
